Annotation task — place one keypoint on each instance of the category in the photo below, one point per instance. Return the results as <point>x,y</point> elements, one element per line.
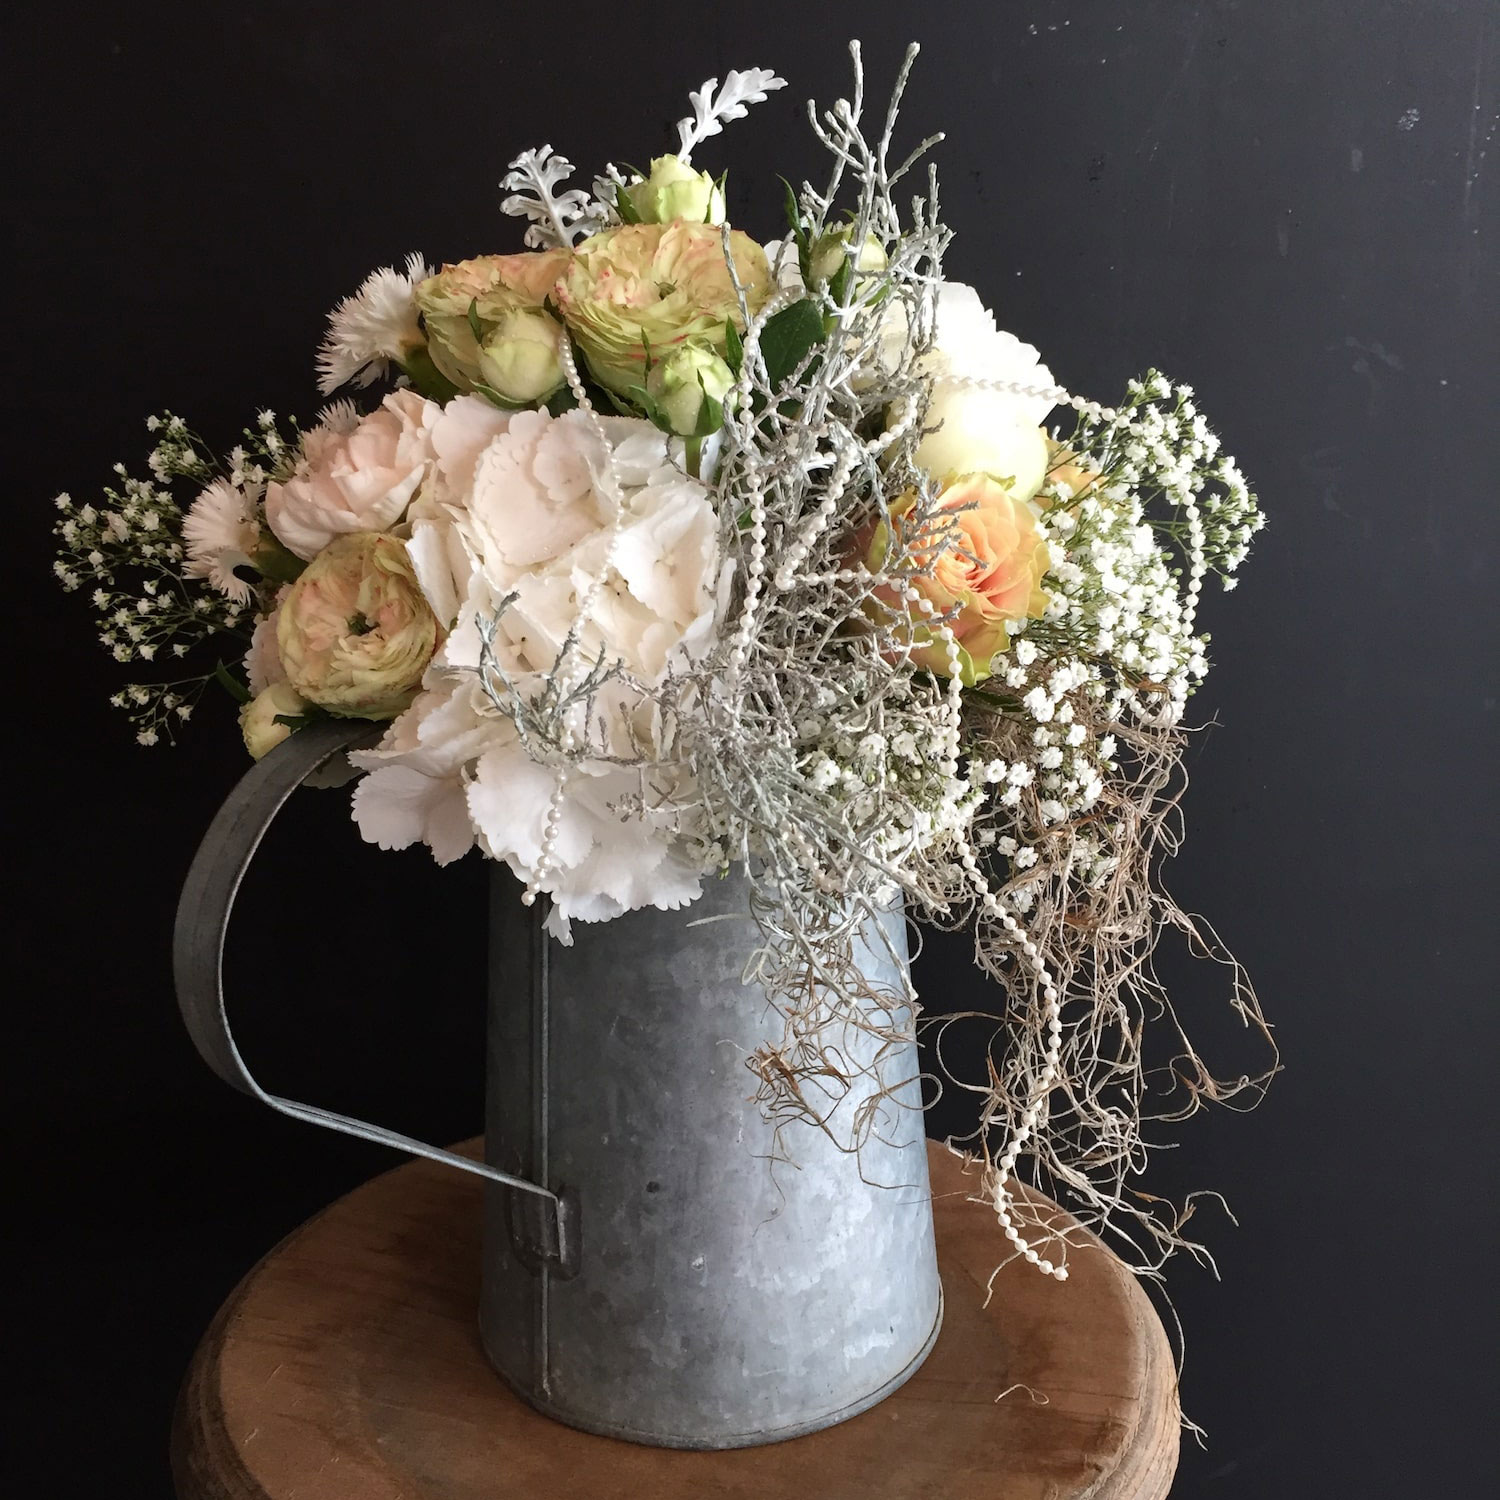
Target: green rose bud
<point>831,250</point>
<point>520,358</point>
<point>474,295</point>
<point>676,191</point>
<point>258,717</point>
<point>690,387</point>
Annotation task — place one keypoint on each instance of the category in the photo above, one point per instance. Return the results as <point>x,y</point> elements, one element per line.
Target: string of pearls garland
<point>1056,394</point>
<point>1051,998</point>
<point>546,856</point>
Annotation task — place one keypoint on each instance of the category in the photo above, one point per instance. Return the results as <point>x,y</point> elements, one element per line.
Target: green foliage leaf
<point>561,400</point>
<point>272,560</point>
<point>711,416</point>
<point>475,326</point>
<point>734,347</point>
<point>230,683</point>
<point>798,232</point>
<point>426,379</point>
<point>624,207</point>
<point>787,338</point>
<point>645,402</point>
<point>622,406</point>
<point>838,287</point>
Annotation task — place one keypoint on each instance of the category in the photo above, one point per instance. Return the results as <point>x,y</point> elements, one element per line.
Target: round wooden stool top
<point>347,1366</point>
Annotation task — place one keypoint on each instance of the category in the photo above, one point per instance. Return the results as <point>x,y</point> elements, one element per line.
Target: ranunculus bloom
<point>982,557</point>
<point>656,284</point>
<point>354,479</point>
<point>355,633</point>
<point>492,285</point>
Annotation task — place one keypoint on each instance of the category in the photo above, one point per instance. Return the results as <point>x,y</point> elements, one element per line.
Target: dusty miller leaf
<point>556,219</point>
<point>711,112</point>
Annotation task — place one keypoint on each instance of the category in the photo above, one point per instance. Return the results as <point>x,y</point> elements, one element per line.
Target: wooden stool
<point>347,1366</point>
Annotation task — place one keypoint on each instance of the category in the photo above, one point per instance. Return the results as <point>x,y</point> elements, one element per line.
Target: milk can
<point>660,1264</point>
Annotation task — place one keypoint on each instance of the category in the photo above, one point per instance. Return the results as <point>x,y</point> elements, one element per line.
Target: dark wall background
<point>1294,206</point>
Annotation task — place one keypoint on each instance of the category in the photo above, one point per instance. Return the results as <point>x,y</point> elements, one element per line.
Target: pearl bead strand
<point>546,854</point>
<point>1051,999</point>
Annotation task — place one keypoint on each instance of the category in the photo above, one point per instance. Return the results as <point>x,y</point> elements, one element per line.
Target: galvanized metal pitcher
<point>650,1272</point>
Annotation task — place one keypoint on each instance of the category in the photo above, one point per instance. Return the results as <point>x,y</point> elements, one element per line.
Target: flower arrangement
<point>667,548</point>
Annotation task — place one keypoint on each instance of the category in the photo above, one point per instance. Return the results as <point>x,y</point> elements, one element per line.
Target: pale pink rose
<point>357,480</point>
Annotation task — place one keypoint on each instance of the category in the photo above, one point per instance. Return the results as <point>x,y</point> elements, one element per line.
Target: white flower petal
<point>263,660</point>
<point>466,428</point>
<point>397,806</point>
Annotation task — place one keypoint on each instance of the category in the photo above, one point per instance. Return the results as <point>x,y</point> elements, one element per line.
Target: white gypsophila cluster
<point>162,577</point>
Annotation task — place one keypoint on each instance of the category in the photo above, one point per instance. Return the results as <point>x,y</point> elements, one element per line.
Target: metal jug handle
<point>198,954</point>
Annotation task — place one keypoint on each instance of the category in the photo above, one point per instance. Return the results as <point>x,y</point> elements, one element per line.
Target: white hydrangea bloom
<point>527,513</point>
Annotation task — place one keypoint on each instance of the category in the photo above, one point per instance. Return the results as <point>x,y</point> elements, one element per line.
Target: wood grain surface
<point>347,1366</point>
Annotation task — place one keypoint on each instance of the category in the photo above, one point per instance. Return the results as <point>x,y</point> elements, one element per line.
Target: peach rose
<point>981,556</point>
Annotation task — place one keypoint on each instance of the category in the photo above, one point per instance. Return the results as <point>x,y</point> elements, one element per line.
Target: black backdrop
<point>1292,205</point>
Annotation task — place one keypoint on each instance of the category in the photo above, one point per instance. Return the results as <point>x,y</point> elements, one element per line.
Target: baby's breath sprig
<point>130,553</point>
<point>157,709</point>
<point>1159,446</point>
